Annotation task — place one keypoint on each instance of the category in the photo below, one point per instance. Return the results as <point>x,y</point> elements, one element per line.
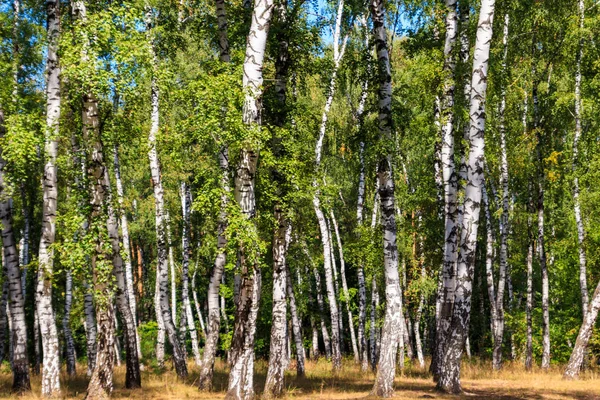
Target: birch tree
<point>44,310</point>
<point>386,367</point>
<point>450,184</point>
<point>160,213</point>
<point>242,346</point>
<point>449,380</point>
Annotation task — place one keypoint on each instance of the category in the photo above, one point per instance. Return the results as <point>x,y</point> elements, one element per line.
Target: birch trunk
<point>540,227</point>
<point>386,367</point>
<point>160,215</point>
<point>187,315</point>
<point>45,312</point>
<point>296,324</point>
<point>242,346</point>
<point>419,313</point>
<point>66,322</point>
<point>160,336</point>
<point>213,321</point>
<point>499,325</point>
<point>373,327</point>
<point>336,286</point>
<point>450,184</point>
<point>338,53</point>
<point>585,332</point>
<point>172,275</point>
<point>126,247</point>
<point>576,203</point>
<point>362,292</point>
<point>321,305</point>
<point>12,276</point>
<point>345,289</point>
<point>101,381</point>
<point>529,308</point>
<point>275,373</point>
<point>450,373</point>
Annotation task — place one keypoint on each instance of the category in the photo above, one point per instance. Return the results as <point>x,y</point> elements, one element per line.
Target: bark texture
<point>449,380</point>
<point>45,312</point>
<point>386,367</point>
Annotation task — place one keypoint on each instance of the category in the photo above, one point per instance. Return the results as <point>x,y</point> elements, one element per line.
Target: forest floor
<point>479,382</point>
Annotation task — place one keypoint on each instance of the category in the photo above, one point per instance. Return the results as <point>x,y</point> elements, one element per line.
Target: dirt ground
<point>479,382</point>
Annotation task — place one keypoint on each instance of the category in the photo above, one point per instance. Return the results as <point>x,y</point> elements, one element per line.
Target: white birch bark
<point>161,221</point>
<point>91,332</point>
<point>296,325</point>
<point>3,320</point>
<point>450,372</point>
<point>12,277</point>
<point>336,285</point>
<point>373,325</point>
<point>321,306</point>
<point>450,184</point>
<point>529,308</point>
<point>45,312</point>
<point>419,313</point>
<point>576,203</point>
<point>540,225</point>
<point>186,207</point>
<point>386,366</point>
<point>172,274</point>
<point>160,335</point>
<point>66,322</point>
<point>345,288</point>
<point>275,373</point>
<point>585,332</point>
<point>126,241</point>
<point>242,346</point>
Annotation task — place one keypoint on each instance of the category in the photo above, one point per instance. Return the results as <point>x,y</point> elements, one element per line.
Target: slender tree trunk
<point>336,285</point>
<point>499,324</point>
<point>529,308</point>
<point>160,336</point>
<point>213,318</point>
<point>576,203</point>
<point>172,275</point>
<point>449,380</point>
<point>296,324</point>
<point>335,328</point>
<point>126,246</point>
<point>161,217</point>
<point>345,289</point>
<point>386,367</point>
<point>12,276</point>
<point>419,312</point>
<point>66,322</point>
<point>373,327</point>
<point>362,292</point>
<point>187,315</point>
<point>450,183</point>
<point>321,305</point>
<point>242,345</point>
<point>540,215</point>
<point>51,363</point>
<point>585,332</point>
<point>275,373</point>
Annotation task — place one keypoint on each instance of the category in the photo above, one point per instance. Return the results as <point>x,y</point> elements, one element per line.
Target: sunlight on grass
<point>479,382</point>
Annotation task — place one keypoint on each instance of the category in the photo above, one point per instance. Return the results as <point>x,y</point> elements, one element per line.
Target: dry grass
<point>479,382</point>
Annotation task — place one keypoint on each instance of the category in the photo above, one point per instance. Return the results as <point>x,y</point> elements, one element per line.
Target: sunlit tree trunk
<point>338,53</point>
<point>242,345</point>
<point>336,284</point>
<point>373,325</point>
<point>576,203</point>
<point>585,332</point>
<point>66,322</point>
<point>499,319</point>
<point>419,313</point>
<point>12,277</point>
<point>296,324</point>
<point>450,184</point>
<point>386,366</point>
<point>449,380</point>
<point>345,288</point>
<point>186,206</point>
<point>91,332</point>
<point>321,306</point>
<point>160,214</point>
<point>51,363</point>
<point>126,247</point>
<point>540,220</point>
<point>275,373</point>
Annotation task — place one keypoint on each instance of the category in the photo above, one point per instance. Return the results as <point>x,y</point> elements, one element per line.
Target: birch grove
<point>265,199</point>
